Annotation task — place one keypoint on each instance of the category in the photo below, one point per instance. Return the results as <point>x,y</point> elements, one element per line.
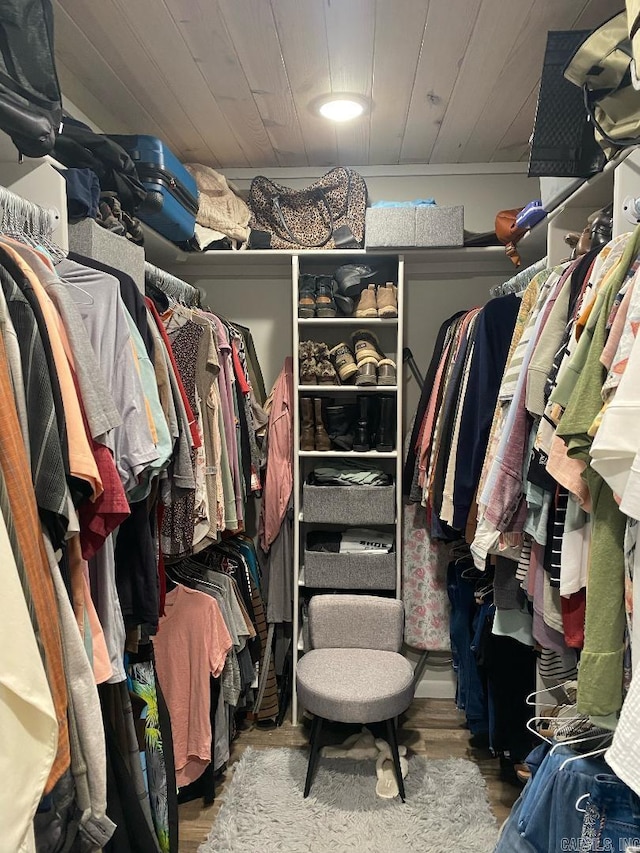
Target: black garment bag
<point>30,99</point>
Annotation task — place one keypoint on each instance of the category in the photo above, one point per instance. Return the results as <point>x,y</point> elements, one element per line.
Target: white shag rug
<point>263,810</point>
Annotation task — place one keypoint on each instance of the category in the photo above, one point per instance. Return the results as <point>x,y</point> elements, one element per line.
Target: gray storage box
<point>350,571</point>
<point>422,226</point>
<point>439,227</point>
<point>355,505</point>
<point>390,227</point>
<point>93,241</point>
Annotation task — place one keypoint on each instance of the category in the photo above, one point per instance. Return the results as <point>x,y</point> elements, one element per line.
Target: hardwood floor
<point>431,727</point>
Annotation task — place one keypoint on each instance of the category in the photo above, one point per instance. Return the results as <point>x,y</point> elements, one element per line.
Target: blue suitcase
<point>172,194</point>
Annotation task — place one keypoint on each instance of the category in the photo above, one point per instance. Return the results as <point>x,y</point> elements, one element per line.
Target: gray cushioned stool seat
<point>355,685</point>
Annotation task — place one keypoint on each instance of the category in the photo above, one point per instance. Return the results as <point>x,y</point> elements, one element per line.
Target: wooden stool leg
<point>314,751</point>
<point>393,743</point>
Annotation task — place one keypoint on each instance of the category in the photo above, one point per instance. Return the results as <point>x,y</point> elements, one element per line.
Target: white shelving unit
<point>335,330</point>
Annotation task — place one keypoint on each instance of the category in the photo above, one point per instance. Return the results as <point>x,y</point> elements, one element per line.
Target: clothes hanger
<point>587,738</point>
<point>593,754</point>
<point>542,719</point>
<point>530,700</point>
<point>579,800</point>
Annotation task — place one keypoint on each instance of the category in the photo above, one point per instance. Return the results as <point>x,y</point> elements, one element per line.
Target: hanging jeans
<point>612,817</point>
<point>470,694</point>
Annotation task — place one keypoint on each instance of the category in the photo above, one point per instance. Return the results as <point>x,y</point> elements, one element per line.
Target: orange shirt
<point>81,461</point>
<point>17,475</point>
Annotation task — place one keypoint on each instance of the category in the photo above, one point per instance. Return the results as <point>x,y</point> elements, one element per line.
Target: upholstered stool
<point>354,672</point>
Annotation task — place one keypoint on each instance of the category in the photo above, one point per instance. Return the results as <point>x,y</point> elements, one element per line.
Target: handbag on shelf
<point>329,214</point>
<point>563,144</point>
<point>508,233</point>
<point>601,68</point>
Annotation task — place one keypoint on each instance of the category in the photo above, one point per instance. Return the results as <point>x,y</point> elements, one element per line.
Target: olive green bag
<point>601,67</point>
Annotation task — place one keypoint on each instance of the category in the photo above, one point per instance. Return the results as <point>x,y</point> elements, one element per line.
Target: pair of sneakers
<point>378,300</point>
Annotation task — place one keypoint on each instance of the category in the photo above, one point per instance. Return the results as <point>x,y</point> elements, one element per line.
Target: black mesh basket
<point>564,145</point>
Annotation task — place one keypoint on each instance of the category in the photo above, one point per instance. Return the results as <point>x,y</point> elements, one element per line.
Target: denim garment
<point>612,817</point>
<point>486,611</point>
<point>539,783</point>
<point>510,840</point>
<point>555,823</point>
<point>470,695</point>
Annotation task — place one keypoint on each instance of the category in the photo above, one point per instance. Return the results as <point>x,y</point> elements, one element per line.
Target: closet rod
<point>171,285</point>
<point>17,214</point>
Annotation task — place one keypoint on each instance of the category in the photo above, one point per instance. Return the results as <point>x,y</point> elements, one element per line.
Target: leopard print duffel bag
<point>329,214</point>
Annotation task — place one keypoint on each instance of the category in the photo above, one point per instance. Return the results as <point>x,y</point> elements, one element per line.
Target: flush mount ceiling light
<point>341,107</point>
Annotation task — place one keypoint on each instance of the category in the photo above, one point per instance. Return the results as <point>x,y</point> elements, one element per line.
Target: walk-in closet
<point>319,440</point>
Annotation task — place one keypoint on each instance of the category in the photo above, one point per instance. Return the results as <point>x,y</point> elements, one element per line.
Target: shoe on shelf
<point>367,303</point>
<point>387,372</point>
<point>308,363</point>
<point>307,296</point>
<point>322,440</point>
<point>367,371</point>
<point>366,345</point>
<point>353,278</point>
<point>344,362</point>
<point>325,371</point>
<point>387,301</point>
<point>340,426</point>
<point>385,433</point>
<point>325,302</point>
<point>307,424</point>
<point>345,303</point>
<point>362,440</point>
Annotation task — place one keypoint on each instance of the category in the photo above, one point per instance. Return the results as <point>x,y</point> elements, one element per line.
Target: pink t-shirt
<point>191,644</point>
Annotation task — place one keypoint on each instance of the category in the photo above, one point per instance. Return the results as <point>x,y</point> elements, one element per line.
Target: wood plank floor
<point>431,727</point>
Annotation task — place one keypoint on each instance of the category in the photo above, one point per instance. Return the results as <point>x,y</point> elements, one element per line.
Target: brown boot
<point>367,304</point>
<point>307,439</point>
<point>387,298</point>
<point>323,442</point>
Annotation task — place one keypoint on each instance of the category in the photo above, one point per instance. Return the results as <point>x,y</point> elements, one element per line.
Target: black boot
<point>353,278</point>
<point>362,441</point>
<point>325,303</point>
<point>340,426</point>
<point>307,296</point>
<point>385,439</point>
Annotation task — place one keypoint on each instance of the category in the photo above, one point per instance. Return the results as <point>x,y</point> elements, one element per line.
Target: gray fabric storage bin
<point>350,571</point>
<point>355,505</point>
<point>390,227</point>
<point>422,226</point>
<point>439,227</point>
<point>93,241</point>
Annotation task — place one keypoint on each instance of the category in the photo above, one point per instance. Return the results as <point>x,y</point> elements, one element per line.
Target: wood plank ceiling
<point>230,82</point>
